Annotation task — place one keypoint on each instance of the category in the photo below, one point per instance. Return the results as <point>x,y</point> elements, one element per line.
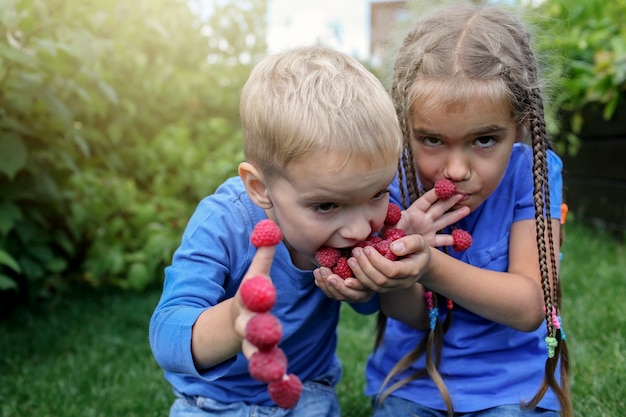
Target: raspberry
<point>266,233</point>
<point>462,240</point>
<point>445,188</point>
<point>394,234</point>
<point>384,248</point>
<point>264,331</point>
<point>268,365</point>
<point>327,256</point>
<point>286,391</point>
<point>258,294</point>
<point>394,212</point>
<point>342,268</point>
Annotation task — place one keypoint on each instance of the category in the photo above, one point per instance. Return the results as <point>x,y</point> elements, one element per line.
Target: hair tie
<point>552,343</point>
<point>561,327</point>
<point>433,313</point>
<point>450,304</point>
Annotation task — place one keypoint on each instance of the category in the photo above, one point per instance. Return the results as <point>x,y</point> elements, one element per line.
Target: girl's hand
<point>428,214</point>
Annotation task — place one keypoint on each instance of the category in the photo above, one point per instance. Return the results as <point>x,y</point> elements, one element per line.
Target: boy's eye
<point>324,207</point>
<point>380,194</point>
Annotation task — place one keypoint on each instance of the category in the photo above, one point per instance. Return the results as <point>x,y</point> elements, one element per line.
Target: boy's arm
<point>219,332</point>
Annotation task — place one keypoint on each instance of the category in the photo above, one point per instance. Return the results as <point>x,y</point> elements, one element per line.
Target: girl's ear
<point>255,184</point>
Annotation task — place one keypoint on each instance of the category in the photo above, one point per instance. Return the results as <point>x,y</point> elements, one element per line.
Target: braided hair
<point>459,49</point>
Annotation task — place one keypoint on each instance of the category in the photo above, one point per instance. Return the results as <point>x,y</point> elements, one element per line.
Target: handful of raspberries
<point>264,330</point>
<point>337,259</point>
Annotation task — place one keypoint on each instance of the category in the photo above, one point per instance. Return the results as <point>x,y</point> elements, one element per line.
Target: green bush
<point>114,122</point>
<point>585,43</point>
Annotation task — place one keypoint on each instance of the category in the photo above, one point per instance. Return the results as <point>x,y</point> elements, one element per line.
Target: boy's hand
<point>261,265</point>
<point>374,273</point>
<point>336,287</point>
<point>429,214</point>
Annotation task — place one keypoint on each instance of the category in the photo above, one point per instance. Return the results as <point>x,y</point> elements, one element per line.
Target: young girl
<point>468,337</point>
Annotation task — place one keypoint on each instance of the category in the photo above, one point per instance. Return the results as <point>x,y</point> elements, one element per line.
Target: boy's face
<point>471,147</point>
<point>316,204</point>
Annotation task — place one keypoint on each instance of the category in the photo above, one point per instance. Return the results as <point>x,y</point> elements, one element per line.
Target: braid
<point>557,348</point>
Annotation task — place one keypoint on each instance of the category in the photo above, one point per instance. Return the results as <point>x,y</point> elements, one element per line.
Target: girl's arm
<point>513,298</point>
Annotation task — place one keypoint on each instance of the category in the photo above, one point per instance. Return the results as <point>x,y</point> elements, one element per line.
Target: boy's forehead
<point>327,175</point>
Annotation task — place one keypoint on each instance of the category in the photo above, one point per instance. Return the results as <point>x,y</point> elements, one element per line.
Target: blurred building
<point>386,18</point>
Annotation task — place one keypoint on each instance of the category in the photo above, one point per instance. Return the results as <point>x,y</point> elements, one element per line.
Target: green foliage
<point>586,45</point>
<point>88,354</point>
<point>116,117</point>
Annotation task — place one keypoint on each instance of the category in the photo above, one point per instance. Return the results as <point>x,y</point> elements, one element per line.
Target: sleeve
<point>522,178</point>
<point>202,274</point>
<point>369,307</point>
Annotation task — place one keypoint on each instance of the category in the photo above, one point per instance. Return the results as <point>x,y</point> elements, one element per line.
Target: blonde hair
<point>314,100</point>
<point>455,54</point>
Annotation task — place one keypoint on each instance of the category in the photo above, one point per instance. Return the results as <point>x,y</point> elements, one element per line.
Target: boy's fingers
<point>262,261</point>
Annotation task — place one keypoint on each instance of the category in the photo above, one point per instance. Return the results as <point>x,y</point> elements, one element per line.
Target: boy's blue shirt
<point>206,269</point>
<point>484,364</point>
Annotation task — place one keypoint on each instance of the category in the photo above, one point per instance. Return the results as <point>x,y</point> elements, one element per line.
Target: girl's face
<point>469,146</point>
<point>315,204</point>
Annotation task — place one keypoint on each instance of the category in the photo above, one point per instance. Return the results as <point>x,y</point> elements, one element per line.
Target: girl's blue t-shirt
<point>206,269</point>
<point>484,364</point>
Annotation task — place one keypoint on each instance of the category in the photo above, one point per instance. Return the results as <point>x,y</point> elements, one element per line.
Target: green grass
<point>88,355</point>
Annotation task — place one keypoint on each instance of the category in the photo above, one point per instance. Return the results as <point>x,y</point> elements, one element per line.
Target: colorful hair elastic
<point>433,313</point>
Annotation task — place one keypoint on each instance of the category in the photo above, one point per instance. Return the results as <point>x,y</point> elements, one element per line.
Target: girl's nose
<point>457,167</point>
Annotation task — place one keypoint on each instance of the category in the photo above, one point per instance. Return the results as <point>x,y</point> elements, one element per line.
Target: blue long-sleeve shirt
<point>206,269</point>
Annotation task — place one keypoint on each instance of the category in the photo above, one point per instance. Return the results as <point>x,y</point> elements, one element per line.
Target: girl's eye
<point>324,207</point>
<point>485,141</point>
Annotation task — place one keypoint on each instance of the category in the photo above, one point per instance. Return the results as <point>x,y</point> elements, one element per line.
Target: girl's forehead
<point>458,94</point>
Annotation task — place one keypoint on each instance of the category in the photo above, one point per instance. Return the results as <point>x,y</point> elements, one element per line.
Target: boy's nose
<point>356,228</point>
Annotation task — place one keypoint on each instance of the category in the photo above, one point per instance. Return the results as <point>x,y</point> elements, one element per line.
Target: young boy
<point>322,143</point>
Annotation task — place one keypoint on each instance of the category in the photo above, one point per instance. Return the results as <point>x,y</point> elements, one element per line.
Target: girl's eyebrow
<point>480,131</point>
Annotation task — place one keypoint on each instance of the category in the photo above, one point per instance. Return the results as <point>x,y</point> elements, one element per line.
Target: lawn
<point>87,354</point>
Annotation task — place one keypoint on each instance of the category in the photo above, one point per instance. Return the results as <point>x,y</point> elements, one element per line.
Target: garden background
<point>117,117</point>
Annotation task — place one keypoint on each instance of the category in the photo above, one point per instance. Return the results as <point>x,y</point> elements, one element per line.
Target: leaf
<point>7,283</point>
<point>9,261</point>
<point>138,276</point>
<point>9,215</point>
<point>13,154</point>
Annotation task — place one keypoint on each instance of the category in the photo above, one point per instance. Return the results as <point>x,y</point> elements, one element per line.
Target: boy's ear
<point>255,185</point>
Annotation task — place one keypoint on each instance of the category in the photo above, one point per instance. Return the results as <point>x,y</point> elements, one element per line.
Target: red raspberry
<point>342,268</point>
<point>445,188</point>
<point>327,256</point>
<point>394,212</point>
<point>394,234</point>
<point>462,240</point>
<point>266,233</point>
<point>384,248</point>
<point>286,391</point>
<point>268,365</point>
<point>264,331</point>
<point>258,294</point>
